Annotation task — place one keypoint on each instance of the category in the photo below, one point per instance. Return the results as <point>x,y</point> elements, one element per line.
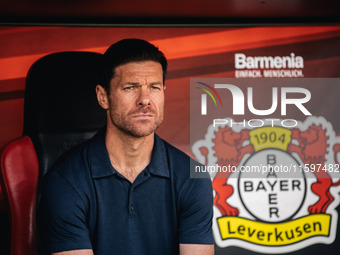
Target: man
<point>126,191</point>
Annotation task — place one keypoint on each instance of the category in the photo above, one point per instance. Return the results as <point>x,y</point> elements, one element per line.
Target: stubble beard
<point>137,129</point>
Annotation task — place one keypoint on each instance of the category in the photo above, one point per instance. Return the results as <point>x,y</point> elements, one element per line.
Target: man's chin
<point>140,134</point>
<point>140,131</point>
<point>137,128</point>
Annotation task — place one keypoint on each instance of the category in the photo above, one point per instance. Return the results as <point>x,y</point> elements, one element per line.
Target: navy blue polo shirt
<point>86,204</point>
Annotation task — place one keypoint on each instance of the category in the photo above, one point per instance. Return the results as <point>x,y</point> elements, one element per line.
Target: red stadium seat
<point>20,172</point>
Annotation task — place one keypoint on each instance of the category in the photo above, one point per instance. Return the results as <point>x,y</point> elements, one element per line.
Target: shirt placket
<point>144,176</point>
<point>131,206</point>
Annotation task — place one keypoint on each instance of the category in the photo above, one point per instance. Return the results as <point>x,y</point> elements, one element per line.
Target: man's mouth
<point>143,116</point>
<point>144,113</point>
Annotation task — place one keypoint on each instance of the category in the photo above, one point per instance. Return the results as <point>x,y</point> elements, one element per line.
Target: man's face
<point>136,99</point>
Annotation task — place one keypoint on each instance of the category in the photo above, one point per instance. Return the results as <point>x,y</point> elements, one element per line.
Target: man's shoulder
<point>181,165</point>
<point>189,186</point>
<point>177,159</point>
<point>175,152</point>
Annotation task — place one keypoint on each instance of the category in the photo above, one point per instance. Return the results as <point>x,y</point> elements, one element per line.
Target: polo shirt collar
<point>100,164</point>
<point>159,161</point>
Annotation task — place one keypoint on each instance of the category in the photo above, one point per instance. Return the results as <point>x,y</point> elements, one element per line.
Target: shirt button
<point>132,208</point>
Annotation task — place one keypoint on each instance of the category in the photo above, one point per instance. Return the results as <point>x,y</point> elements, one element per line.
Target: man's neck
<point>129,155</point>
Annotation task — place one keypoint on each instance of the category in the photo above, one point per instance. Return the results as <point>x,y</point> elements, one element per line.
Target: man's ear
<point>102,97</point>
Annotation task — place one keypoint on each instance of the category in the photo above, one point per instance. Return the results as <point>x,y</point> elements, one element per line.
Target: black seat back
<point>61,108</point>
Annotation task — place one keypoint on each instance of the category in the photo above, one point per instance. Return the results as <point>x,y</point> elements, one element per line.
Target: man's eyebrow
<point>131,83</point>
<point>156,83</point>
<point>137,83</point>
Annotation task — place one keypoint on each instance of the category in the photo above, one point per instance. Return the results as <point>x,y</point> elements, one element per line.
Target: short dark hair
<point>127,51</point>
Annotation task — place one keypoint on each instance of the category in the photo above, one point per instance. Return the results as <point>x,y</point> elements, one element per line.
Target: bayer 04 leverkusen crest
<point>275,188</point>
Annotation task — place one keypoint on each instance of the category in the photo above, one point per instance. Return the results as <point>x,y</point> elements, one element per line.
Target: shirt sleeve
<point>62,216</point>
<point>196,212</point>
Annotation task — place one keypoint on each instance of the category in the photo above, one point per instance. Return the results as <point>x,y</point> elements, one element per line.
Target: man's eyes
<point>129,88</point>
<point>155,87</point>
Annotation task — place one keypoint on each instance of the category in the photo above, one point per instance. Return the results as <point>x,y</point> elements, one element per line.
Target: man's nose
<point>144,97</point>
